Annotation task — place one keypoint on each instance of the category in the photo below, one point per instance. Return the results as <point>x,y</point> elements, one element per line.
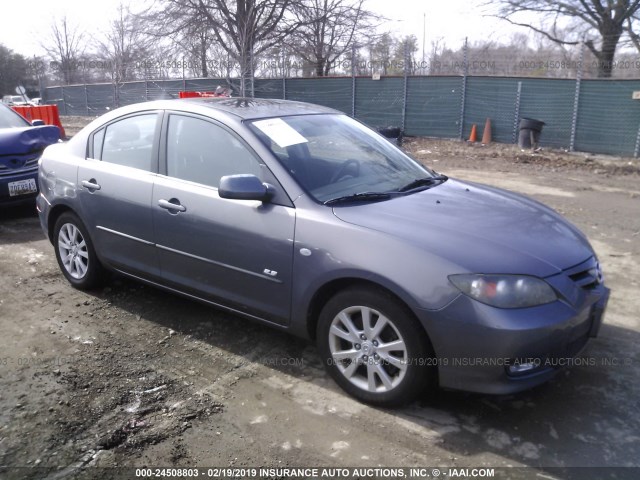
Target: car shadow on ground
<point>18,212</point>
<point>577,419</point>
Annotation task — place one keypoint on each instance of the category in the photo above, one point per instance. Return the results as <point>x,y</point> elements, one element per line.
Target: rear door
<point>232,252</point>
<point>116,185</point>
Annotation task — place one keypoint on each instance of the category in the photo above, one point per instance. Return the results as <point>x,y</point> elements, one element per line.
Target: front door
<point>232,252</point>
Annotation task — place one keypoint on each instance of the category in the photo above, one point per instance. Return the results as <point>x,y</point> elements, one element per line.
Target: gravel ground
<point>131,376</point>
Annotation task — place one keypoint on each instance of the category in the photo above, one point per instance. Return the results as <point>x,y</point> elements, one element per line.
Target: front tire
<point>374,347</point>
<point>75,253</point>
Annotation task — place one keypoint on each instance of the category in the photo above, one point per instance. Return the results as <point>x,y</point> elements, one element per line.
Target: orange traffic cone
<point>486,134</point>
<point>474,134</point>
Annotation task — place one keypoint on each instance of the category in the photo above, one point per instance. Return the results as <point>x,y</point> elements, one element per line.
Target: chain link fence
<point>589,115</point>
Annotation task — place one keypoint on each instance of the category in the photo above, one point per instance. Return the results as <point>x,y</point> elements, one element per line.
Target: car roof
<point>232,108</point>
<point>252,108</point>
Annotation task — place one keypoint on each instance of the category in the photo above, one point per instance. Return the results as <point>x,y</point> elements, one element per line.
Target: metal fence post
<point>463,94</point>
<point>353,81</point>
<point>516,115</point>
<point>284,76</point>
<point>64,101</point>
<point>405,86</point>
<point>86,99</point>
<point>253,73</point>
<point>636,151</point>
<point>576,101</point>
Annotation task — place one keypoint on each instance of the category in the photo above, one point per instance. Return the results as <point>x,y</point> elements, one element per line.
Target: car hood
<point>19,141</point>
<point>482,229</point>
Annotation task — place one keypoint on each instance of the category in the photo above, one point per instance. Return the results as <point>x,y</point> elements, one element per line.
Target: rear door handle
<point>90,184</point>
<point>170,205</point>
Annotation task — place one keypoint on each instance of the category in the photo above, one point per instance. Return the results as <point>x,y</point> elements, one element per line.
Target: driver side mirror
<point>37,122</point>
<point>245,187</point>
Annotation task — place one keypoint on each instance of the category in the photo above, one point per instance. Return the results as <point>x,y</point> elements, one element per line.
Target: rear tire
<point>75,253</point>
<point>374,347</point>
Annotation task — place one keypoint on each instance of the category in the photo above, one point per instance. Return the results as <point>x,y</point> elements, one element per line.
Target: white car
<point>14,100</point>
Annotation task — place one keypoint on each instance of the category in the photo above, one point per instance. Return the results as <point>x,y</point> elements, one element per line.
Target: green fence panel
<point>330,92</point>
<point>131,92</point>
<point>379,102</point>
<point>202,84</point>
<point>433,106</point>
<point>551,101</point>
<point>268,88</point>
<point>53,96</point>
<point>101,98</point>
<point>75,100</point>
<point>608,118</point>
<point>162,89</point>
<point>494,98</point>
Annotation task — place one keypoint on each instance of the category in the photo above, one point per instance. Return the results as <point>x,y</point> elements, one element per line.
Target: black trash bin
<point>393,134</point>
<point>529,132</point>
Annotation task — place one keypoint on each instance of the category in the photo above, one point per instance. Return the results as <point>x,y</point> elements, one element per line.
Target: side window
<point>98,138</point>
<point>128,142</point>
<point>202,152</point>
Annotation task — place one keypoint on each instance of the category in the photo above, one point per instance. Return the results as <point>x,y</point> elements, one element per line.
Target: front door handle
<point>90,184</point>
<point>173,204</point>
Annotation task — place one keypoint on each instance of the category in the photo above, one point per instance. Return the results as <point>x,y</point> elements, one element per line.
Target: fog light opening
<point>523,366</point>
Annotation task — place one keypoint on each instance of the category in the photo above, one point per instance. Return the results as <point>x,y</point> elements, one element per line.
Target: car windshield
<point>335,157</point>
<point>9,119</point>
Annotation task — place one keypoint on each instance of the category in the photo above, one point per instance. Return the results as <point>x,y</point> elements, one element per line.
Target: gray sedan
<point>300,217</point>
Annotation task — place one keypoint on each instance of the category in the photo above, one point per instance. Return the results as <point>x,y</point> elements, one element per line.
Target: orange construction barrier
<point>474,134</point>
<point>196,94</point>
<point>486,134</point>
<point>47,113</point>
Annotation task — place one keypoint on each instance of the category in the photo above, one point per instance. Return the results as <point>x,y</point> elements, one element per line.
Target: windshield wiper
<point>421,182</point>
<point>366,196</point>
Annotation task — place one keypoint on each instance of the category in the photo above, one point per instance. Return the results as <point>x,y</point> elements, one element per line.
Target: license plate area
<point>22,187</point>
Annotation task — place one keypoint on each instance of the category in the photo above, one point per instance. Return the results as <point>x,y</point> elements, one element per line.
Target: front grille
<point>6,169</point>
<point>587,275</point>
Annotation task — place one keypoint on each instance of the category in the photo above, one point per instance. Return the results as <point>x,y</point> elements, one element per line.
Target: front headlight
<point>505,291</point>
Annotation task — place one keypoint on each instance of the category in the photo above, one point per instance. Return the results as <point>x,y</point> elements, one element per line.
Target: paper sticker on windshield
<point>280,132</point>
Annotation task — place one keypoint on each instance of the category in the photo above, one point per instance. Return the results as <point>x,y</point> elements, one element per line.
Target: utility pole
<point>424,34</point>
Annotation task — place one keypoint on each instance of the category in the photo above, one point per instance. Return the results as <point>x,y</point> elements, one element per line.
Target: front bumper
<point>475,343</point>
<point>43,206</point>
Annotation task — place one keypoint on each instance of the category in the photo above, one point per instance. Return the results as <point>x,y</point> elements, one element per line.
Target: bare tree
<point>199,41</point>
<point>125,46</point>
<point>243,28</point>
<point>381,54</point>
<point>608,19</point>
<point>281,61</point>
<point>14,70</point>
<point>438,45</point>
<point>65,47</point>
<point>405,53</point>
<point>328,29</point>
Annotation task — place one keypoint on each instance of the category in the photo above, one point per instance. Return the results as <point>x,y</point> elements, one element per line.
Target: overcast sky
<point>452,19</point>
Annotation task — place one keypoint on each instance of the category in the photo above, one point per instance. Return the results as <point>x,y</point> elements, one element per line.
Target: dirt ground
<point>132,376</point>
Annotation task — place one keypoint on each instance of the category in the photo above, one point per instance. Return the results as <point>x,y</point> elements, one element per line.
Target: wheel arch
<point>55,213</point>
<point>332,287</point>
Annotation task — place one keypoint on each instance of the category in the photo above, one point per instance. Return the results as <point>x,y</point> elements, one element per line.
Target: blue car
<point>21,145</point>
